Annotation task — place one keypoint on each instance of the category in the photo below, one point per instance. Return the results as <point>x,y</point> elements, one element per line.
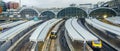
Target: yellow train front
<point>53,35</point>
<point>97,44</point>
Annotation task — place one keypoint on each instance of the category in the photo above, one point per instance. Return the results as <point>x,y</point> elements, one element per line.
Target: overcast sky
<point>53,3</point>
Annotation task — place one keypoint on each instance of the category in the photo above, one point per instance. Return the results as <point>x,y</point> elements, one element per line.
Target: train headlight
<point>104,16</point>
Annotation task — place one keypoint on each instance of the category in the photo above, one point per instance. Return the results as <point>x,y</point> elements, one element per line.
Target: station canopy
<point>28,12</point>
<point>71,12</point>
<point>47,15</point>
<point>102,13</point>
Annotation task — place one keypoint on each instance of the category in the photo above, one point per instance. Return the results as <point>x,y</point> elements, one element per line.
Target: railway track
<point>21,41</point>
<point>27,46</point>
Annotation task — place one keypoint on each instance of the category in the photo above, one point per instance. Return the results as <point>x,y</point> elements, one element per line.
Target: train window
<point>97,41</point>
<point>52,32</point>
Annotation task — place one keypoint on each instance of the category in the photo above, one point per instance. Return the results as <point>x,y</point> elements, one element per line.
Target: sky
<point>54,3</point>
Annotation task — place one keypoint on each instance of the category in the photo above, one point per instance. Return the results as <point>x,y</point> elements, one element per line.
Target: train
<point>43,31</point>
<point>96,44</point>
<point>53,35</point>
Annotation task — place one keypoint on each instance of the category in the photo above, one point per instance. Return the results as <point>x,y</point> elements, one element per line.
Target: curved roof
<point>102,11</point>
<point>29,10</point>
<point>72,11</point>
<point>41,32</point>
<point>8,35</point>
<point>104,26</point>
<point>77,32</point>
<point>48,14</point>
<point>71,32</point>
<point>114,20</point>
<point>36,33</point>
<point>11,24</point>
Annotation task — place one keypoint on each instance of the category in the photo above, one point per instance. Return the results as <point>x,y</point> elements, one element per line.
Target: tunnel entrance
<point>102,13</point>
<point>47,15</point>
<point>71,12</point>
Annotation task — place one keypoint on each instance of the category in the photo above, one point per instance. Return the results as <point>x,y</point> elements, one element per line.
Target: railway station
<point>37,25</point>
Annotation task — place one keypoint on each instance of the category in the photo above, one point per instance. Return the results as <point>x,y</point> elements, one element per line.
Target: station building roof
<point>102,12</point>
<point>71,12</point>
